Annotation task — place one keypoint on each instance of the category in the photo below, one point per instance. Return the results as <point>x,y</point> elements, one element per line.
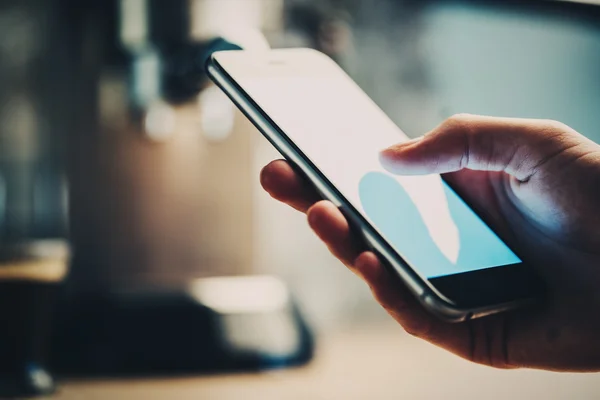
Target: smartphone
<point>331,132</point>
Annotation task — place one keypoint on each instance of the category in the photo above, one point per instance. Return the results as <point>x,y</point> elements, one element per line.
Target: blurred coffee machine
<point>160,184</point>
<point>112,95</point>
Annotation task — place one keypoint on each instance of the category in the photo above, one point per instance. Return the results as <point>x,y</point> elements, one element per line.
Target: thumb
<point>516,146</point>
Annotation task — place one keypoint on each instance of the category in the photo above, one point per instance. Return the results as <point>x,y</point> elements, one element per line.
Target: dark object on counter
<point>25,312</point>
<point>31,275</point>
<point>215,325</point>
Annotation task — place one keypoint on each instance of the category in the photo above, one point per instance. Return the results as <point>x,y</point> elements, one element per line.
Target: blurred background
<point>138,255</point>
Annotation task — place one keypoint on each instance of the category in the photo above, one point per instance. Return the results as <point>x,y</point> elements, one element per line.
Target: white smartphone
<point>332,132</point>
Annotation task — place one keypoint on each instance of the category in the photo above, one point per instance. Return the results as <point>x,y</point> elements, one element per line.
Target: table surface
<point>375,363</point>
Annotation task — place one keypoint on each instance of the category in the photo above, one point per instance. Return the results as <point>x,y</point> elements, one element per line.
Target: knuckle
<point>459,125</point>
<point>458,122</point>
<point>555,126</point>
<point>461,130</point>
<point>556,129</point>
<point>553,134</point>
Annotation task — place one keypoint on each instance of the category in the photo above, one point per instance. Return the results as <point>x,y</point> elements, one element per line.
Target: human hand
<point>538,184</point>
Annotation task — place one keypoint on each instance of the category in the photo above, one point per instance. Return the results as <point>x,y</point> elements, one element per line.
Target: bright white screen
<point>342,131</point>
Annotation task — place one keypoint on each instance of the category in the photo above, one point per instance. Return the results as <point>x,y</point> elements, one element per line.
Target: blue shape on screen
<point>393,212</point>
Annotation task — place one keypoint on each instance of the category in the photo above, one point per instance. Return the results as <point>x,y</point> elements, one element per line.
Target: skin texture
<point>538,184</point>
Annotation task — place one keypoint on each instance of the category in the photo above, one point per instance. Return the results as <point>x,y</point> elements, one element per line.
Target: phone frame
<point>426,293</point>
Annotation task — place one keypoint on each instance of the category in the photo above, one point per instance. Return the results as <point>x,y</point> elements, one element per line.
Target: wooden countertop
<point>376,363</point>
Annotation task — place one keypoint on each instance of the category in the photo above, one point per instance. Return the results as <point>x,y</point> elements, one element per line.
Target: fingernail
<point>387,155</point>
<point>401,145</point>
<point>411,141</point>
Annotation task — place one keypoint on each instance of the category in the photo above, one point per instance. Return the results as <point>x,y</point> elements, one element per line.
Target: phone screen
<point>341,130</point>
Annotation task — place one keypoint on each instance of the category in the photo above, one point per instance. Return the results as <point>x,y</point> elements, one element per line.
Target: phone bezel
<point>428,294</point>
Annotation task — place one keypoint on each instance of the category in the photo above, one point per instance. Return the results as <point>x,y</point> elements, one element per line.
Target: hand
<point>538,183</point>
